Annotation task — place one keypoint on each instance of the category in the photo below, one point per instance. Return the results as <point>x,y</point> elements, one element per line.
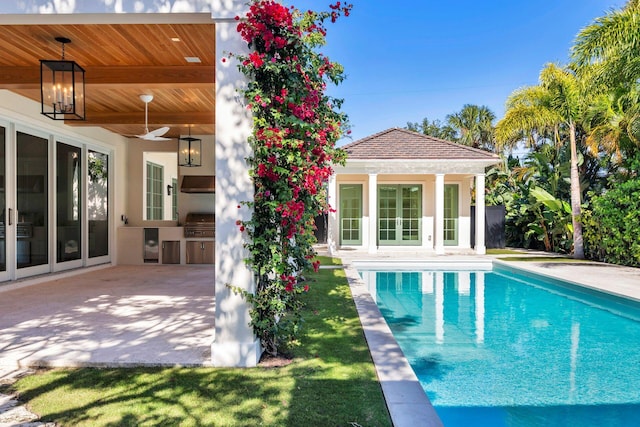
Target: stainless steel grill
<point>199,225</point>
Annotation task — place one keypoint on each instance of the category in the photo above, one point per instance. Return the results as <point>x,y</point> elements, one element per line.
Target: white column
<point>332,224</point>
<point>439,224</point>
<point>234,343</point>
<point>480,247</point>
<point>373,213</point>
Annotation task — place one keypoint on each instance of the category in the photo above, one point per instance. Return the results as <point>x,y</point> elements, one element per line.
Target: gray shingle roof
<point>402,144</point>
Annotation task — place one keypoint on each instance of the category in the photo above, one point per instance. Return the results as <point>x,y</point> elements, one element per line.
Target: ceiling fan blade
<point>157,138</point>
<point>159,132</point>
<point>154,135</point>
<point>151,137</point>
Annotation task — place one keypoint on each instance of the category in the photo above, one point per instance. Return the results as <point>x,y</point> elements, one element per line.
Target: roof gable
<point>402,144</point>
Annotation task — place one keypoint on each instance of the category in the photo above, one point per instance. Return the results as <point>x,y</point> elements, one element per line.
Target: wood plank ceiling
<point>123,61</point>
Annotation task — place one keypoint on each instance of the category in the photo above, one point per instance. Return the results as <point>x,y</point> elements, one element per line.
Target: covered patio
<point>116,316</point>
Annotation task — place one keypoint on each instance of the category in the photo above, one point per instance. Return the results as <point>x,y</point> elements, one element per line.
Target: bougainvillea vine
<point>295,129</point>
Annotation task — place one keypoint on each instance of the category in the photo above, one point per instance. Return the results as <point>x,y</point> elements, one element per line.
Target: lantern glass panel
<point>62,90</point>
<point>190,151</point>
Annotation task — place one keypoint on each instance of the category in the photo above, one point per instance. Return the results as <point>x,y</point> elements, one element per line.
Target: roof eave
<point>416,166</point>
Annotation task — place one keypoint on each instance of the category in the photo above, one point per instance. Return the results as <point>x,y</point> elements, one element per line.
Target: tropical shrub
<point>612,225</point>
<point>552,224</point>
<point>534,195</point>
<point>295,129</point>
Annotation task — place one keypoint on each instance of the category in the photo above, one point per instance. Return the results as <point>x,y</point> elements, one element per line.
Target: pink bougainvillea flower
<point>293,146</point>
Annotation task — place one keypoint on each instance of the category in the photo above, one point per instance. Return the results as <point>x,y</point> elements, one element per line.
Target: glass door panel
<point>387,213</point>
<point>155,193</point>
<point>3,200</point>
<point>98,203</point>
<point>399,214</point>
<point>411,213</point>
<point>68,203</point>
<point>32,227</point>
<point>350,214</point>
<point>451,214</point>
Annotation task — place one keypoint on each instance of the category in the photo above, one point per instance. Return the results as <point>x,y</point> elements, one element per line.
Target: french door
<point>351,214</point>
<point>400,214</point>
<point>451,195</point>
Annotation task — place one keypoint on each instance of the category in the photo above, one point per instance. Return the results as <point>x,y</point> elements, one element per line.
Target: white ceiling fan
<point>154,135</point>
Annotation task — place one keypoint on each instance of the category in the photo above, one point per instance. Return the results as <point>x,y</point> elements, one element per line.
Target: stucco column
<point>439,224</point>
<point>332,222</point>
<point>373,213</point>
<point>480,247</point>
<point>234,342</point>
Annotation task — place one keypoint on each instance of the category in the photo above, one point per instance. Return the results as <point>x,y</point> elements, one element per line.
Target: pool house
<point>403,191</point>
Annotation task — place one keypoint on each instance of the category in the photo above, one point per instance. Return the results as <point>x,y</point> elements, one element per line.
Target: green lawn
<point>503,252</point>
<point>326,261</point>
<point>330,382</point>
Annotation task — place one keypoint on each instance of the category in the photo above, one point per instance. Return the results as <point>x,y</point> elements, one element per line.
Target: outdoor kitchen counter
<point>130,242</point>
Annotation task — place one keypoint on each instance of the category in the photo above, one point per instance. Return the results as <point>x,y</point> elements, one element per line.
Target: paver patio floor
<point>115,316</point>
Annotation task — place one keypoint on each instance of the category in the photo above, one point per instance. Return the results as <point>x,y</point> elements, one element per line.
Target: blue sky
<point>427,58</point>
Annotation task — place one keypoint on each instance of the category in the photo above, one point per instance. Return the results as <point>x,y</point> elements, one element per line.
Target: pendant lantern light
<point>62,87</point>
<point>190,151</point>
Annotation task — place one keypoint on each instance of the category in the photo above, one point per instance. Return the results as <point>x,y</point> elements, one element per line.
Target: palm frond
<point>612,40</point>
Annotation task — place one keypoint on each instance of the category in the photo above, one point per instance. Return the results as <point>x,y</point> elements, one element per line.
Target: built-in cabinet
<point>200,252</point>
<point>173,247</point>
<point>170,251</point>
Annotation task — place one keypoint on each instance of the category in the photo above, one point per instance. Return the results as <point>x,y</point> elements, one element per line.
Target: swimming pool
<point>500,348</point>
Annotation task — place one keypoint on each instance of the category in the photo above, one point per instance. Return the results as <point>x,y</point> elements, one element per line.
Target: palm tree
<point>612,122</point>
<point>606,56</point>
<point>434,128</point>
<point>611,46</point>
<point>474,125</point>
<point>553,105</point>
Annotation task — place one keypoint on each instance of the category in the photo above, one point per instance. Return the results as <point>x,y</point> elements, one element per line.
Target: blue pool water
<point>499,348</point>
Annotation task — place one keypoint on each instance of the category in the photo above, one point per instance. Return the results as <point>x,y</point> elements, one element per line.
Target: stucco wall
<point>186,202</point>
